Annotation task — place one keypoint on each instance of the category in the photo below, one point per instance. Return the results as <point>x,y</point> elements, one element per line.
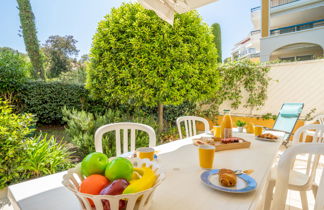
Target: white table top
<point>182,188</point>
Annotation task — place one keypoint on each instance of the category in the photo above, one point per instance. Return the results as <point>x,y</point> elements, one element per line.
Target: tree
<point>58,51</point>
<point>217,40</point>
<point>27,21</point>
<point>138,59</point>
<point>14,71</point>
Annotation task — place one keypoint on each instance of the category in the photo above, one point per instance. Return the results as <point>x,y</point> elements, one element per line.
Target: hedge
<point>46,99</point>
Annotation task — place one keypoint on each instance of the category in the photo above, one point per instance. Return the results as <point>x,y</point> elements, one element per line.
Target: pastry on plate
<point>227,177</point>
<point>230,140</point>
<point>268,136</point>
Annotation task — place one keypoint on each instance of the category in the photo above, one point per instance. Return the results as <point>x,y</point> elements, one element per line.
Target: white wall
<point>292,82</point>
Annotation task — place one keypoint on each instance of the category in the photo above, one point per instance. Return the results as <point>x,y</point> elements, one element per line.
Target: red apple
<point>115,188</point>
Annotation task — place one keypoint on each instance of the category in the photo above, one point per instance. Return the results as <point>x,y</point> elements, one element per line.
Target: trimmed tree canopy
<point>139,59</point>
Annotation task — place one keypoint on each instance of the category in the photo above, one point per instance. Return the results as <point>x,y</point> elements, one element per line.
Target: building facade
<point>284,30</point>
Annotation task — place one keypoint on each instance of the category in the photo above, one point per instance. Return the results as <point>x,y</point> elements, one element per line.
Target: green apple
<point>119,168</point>
<point>94,163</point>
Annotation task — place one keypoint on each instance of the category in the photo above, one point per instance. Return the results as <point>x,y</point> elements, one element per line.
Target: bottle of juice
<point>227,125</point>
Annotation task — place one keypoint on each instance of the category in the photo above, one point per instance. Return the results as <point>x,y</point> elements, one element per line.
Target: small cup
<point>206,156</point>
<point>145,152</point>
<point>217,131</point>
<point>258,130</point>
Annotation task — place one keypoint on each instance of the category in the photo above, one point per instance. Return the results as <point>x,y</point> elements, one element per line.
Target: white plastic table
<point>181,189</point>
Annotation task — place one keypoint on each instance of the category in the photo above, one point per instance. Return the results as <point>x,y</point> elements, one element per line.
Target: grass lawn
<point>58,131</point>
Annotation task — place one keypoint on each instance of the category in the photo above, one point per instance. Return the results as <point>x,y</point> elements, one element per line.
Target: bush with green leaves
<point>140,60</point>
<point>14,71</point>
<point>46,99</point>
<point>13,129</point>
<point>81,127</point>
<point>43,156</point>
<point>23,157</point>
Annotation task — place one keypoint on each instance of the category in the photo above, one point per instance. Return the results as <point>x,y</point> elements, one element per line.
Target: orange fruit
<point>93,184</point>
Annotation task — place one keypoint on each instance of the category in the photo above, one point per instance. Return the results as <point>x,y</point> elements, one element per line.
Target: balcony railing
<point>255,32</point>
<point>275,3</point>
<point>281,2</point>
<point>298,27</point>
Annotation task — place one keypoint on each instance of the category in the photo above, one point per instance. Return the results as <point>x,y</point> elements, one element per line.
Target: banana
<point>145,182</point>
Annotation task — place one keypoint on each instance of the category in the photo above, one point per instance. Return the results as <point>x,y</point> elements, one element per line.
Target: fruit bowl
<point>134,201</point>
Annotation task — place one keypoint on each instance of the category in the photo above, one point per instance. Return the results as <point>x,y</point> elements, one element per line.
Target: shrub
<point>77,76</point>
<point>140,60</point>
<point>46,99</point>
<point>23,157</point>
<point>81,127</point>
<point>44,156</point>
<point>13,129</point>
<point>14,70</point>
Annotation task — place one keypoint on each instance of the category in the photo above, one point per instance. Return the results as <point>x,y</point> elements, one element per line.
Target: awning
<point>165,9</point>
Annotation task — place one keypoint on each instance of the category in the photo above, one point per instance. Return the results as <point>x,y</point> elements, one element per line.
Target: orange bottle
<point>227,125</point>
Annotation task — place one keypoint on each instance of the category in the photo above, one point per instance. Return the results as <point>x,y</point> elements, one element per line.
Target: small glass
<point>217,131</point>
<point>258,130</point>
<point>145,152</point>
<point>206,156</point>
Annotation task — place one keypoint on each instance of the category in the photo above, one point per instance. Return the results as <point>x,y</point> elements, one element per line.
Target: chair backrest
<point>284,165</point>
<point>318,118</point>
<point>317,133</point>
<point>190,125</point>
<point>287,117</point>
<point>318,137</point>
<point>125,127</point>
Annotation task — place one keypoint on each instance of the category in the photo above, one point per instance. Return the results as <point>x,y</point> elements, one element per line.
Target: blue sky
<point>80,17</point>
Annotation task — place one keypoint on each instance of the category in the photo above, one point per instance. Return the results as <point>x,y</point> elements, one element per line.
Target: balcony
<point>293,41</point>
<point>275,3</point>
<point>298,27</point>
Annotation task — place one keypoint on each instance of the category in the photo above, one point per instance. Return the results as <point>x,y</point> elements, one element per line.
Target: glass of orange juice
<point>145,152</point>
<point>217,131</point>
<point>206,156</point>
<point>258,130</point>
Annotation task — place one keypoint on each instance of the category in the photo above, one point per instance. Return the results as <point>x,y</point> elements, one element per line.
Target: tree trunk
<point>160,113</point>
<point>27,21</point>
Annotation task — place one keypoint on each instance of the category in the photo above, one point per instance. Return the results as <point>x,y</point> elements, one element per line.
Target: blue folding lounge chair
<point>287,119</point>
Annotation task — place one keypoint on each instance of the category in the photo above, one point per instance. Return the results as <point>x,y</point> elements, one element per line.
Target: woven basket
<point>135,201</point>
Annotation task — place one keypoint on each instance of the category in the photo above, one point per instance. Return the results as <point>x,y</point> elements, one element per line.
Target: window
<point>304,57</point>
<point>288,59</point>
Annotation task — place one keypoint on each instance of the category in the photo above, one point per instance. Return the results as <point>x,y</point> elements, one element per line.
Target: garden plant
<point>138,59</point>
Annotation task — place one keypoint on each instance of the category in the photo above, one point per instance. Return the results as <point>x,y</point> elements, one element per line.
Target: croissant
<point>227,177</point>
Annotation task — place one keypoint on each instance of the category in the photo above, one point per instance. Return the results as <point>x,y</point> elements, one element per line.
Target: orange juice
<point>227,125</point>
<point>217,131</point>
<point>250,128</point>
<point>258,130</point>
<point>206,156</point>
<point>145,152</point>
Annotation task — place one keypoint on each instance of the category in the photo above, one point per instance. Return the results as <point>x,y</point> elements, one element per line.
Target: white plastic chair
<point>299,181</point>
<point>190,125</point>
<point>284,174</point>
<point>125,127</point>
<point>319,119</point>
